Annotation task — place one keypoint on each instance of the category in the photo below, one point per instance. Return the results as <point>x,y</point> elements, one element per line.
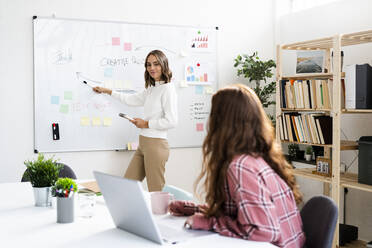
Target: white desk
<point>24,225</point>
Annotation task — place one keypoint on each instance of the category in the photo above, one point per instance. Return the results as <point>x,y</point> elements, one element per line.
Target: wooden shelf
<point>308,144</point>
<point>345,144</point>
<point>304,110</point>
<point>355,244</point>
<point>356,111</point>
<point>305,76</point>
<point>308,173</point>
<point>327,43</point>
<point>350,180</point>
<point>349,145</point>
<point>347,180</point>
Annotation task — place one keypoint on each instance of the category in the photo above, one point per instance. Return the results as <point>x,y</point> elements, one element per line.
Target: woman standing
<point>251,192</point>
<point>159,100</point>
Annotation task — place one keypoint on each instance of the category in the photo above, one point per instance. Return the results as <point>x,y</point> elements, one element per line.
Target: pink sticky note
<point>199,127</point>
<point>127,46</point>
<point>116,41</point>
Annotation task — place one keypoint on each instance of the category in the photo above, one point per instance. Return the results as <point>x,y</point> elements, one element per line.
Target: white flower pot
<point>308,157</point>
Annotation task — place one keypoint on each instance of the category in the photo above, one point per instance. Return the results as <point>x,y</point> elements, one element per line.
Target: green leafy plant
<point>309,150</point>
<point>258,72</point>
<point>63,187</point>
<point>42,172</point>
<point>293,150</point>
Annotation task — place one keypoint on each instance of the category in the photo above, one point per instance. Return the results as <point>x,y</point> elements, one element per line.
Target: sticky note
<point>54,100</point>
<point>96,121</point>
<point>118,84</point>
<point>199,127</point>
<point>108,72</point>
<point>129,146</point>
<point>107,121</point>
<point>84,121</point>
<point>208,90</point>
<point>109,83</point>
<point>134,146</point>
<point>183,53</point>
<point>199,89</point>
<point>183,84</point>
<point>116,41</point>
<point>127,46</point>
<point>63,108</point>
<point>128,84</point>
<point>68,95</point>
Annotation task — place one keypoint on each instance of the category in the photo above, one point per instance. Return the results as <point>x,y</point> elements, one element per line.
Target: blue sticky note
<point>54,100</point>
<point>108,72</point>
<point>192,78</point>
<point>199,89</point>
<point>188,79</point>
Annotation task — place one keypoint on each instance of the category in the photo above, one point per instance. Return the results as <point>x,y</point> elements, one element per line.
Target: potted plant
<point>42,173</point>
<point>292,151</point>
<point>65,189</point>
<point>258,72</point>
<point>308,153</point>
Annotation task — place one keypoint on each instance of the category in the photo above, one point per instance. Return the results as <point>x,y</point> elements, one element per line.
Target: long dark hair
<point>166,73</point>
<point>238,125</point>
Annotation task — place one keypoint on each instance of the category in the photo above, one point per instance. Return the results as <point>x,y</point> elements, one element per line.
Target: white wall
<point>245,26</point>
<point>324,21</point>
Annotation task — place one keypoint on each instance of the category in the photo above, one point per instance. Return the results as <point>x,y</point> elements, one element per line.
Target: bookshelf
<point>338,180</point>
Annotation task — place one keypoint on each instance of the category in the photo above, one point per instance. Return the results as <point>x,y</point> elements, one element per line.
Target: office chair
<point>179,194</point>
<point>66,171</point>
<point>319,217</point>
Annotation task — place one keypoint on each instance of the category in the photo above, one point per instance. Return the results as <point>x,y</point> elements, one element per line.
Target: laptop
<point>129,210</point>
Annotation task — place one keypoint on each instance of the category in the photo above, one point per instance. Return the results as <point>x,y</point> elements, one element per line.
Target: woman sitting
<point>251,192</point>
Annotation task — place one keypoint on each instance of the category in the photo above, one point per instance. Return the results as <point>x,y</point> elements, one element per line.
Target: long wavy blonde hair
<point>238,125</point>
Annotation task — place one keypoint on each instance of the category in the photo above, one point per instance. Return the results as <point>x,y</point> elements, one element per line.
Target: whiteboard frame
<point>216,28</point>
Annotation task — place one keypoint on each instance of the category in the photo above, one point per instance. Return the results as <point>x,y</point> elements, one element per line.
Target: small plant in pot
<point>64,190</point>
<point>292,151</point>
<point>308,153</point>
<point>42,173</point>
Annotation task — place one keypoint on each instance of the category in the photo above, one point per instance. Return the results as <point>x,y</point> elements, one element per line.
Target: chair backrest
<point>66,171</point>
<point>319,218</point>
<point>179,194</point>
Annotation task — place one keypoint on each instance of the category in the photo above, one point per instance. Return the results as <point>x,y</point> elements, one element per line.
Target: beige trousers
<point>149,161</point>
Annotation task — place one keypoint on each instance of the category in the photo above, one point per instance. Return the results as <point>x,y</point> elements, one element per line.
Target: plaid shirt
<point>259,206</point>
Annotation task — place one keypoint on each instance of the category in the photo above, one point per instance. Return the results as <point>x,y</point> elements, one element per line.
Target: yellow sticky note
<point>128,84</point>
<point>84,121</point>
<point>208,90</point>
<point>107,121</point>
<point>96,121</point>
<point>129,146</point>
<point>118,84</point>
<point>183,84</point>
<point>109,83</point>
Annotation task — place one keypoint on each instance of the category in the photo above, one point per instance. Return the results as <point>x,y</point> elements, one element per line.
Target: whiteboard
<point>112,54</point>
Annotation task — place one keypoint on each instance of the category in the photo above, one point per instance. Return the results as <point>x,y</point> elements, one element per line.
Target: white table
<point>24,225</point>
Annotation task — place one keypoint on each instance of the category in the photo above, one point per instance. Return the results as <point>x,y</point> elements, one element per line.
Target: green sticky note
<point>63,108</point>
<point>68,95</point>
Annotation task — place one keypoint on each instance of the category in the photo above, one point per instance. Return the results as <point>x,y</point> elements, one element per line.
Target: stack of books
<point>306,128</point>
<point>306,94</point>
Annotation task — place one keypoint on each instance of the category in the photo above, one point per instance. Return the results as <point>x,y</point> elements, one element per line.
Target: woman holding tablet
<point>159,100</point>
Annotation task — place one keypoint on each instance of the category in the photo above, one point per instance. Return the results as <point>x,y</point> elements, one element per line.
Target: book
<point>358,86</point>
<point>325,123</point>
<point>319,131</point>
<point>285,128</point>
